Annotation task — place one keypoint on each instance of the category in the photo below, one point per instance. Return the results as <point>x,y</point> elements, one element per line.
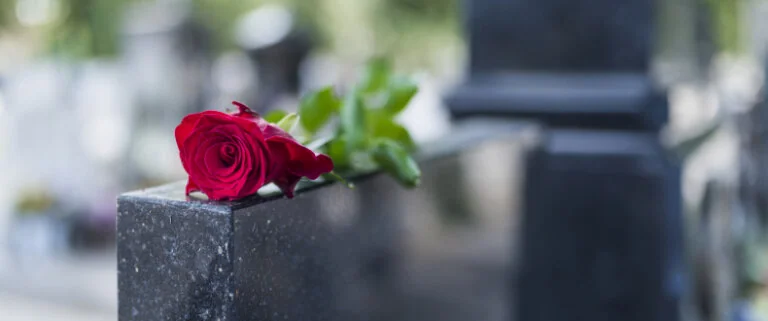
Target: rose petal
<point>281,156</point>
<point>185,129</point>
<point>287,184</point>
<point>291,161</point>
<point>192,148</point>
<point>273,131</point>
<point>323,164</point>
<point>260,162</point>
<point>212,160</point>
<point>244,111</point>
<point>226,156</point>
<point>191,187</point>
<point>211,184</point>
<point>301,161</point>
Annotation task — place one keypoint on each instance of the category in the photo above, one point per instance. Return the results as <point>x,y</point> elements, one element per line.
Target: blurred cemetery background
<point>90,91</point>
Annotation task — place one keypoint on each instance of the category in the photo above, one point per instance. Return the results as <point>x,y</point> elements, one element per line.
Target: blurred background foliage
<point>90,28</point>
<point>726,15</point>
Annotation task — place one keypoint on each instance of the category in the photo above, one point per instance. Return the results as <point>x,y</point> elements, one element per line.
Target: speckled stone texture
<point>174,258</point>
<point>376,252</point>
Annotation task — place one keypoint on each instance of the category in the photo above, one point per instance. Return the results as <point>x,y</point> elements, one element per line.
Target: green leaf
<point>317,107</point>
<point>400,92</point>
<point>337,151</point>
<point>396,161</point>
<point>275,116</point>
<point>376,75</point>
<point>288,122</point>
<point>362,161</point>
<point>352,116</point>
<point>382,126</point>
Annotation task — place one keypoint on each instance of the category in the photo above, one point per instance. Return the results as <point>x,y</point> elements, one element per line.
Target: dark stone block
<point>376,252</point>
<point>601,232</point>
<point>174,259</point>
<point>560,35</point>
<point>600,101</point>
<point>566,63</point>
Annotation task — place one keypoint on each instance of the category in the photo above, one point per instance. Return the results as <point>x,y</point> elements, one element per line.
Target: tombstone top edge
<point>172,194</point>
<point>463,137</point>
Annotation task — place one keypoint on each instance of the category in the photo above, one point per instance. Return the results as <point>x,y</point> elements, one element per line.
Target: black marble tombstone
<point>601,227</point>
<point>442,251</point>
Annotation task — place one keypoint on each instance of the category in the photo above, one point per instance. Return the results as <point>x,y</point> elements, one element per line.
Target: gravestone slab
<point>376,252</point>
<point>578,63</point>
<point>628,101</point>
<point>570,36</point>
<point>602,229</point>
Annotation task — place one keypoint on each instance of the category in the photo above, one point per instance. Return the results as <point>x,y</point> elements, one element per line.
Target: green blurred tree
<point>220,18</point>
<point>414,26</point>
<point>408,29</point>
<point>5,13</point>
<point>87,28</point>
<point>728,24</point>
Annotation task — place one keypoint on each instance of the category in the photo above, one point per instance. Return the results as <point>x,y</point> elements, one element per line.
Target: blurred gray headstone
<point>274,41</point>
<point>567,63</point>
<point>560,35</point>
<point>166,57</point>
<point>602,230</point>
<point>601,227</point>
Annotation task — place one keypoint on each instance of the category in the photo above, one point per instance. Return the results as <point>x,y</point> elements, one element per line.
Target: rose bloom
<point>230,156</point>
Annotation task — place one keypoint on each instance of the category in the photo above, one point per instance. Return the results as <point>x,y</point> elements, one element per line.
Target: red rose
<point>232,156</point>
